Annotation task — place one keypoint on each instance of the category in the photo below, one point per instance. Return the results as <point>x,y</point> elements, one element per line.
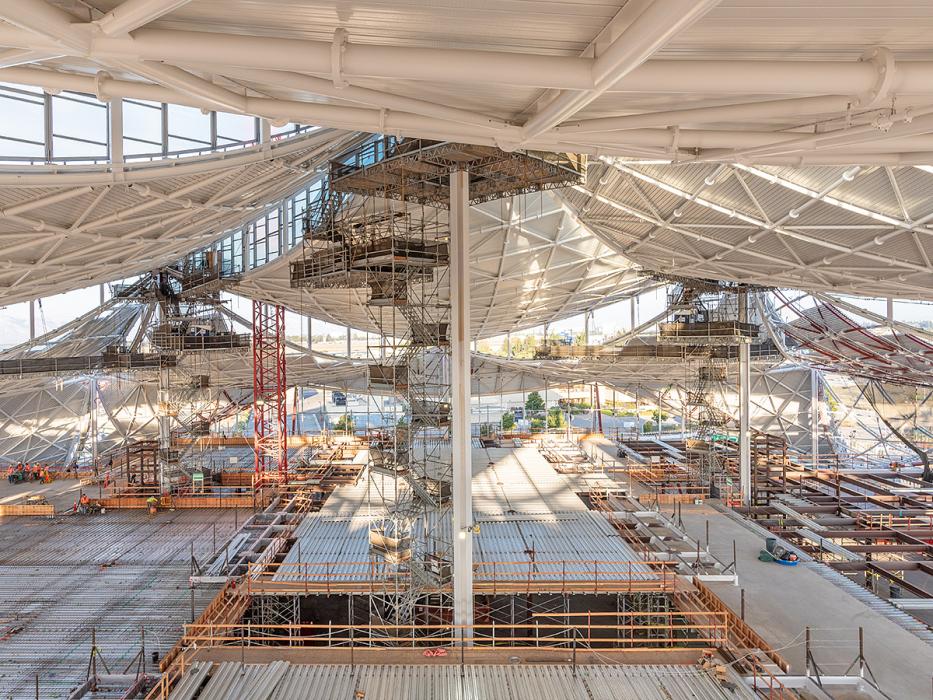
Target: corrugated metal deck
<point>282,681</point>
<point>577,538</point>
<point>505,480</point>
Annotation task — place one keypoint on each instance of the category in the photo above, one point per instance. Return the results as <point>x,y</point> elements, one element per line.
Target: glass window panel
<point>22,119</point>
<point>70,148</point>
<point>142,127</point>
<point>11,87</point>
<point>233,128</point>
<point>288,129</point>
<point>18,149</point>
<point>79,118</point>
<point>179,144</point>
<point>189,126</point>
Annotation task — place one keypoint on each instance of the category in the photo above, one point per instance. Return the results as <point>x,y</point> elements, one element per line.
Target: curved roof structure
<point>628,71</point>
<point>64,229</point>
<point>532,261</point>
<point>857,230</point>
<point>791,153</point>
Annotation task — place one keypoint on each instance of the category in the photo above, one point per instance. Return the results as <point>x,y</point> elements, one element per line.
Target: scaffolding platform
<point>108,360</point>
<point>375,262</point>
<point>417,170</point>
<point>705,333</point>
<point>169,340</point>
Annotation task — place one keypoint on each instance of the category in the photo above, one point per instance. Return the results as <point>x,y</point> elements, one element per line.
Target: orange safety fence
<point>494,577</point>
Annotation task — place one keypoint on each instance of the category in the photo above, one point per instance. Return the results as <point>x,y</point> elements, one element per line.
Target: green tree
<point>534,403</point>
<point>648,427</point>
<point>508,420</point>
<point>537,424</point>
<point>555,418</point>
<point>345,423</point>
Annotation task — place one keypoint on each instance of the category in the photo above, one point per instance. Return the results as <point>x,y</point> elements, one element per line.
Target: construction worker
<point>153,504</point>
<point>9,474</point>
<point>84,504</point>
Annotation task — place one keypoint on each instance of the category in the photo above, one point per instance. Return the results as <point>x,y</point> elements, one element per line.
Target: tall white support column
<point>165,424</point>
<point>32,319</point>
<point>745,453</point>
<point>460,397</point>
<point>92,422</point>
<point>116,134</point>
<point>889,309</point>
<point>815,414</point>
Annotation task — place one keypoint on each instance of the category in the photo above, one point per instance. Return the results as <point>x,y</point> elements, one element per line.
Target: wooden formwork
<point>46,510</point>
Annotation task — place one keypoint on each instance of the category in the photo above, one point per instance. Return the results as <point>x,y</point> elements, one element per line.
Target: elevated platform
<point>86,363</point>
<point>417,170</point>
<point>705,333</point>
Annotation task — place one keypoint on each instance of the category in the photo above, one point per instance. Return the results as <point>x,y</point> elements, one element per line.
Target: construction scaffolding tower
<point>269,388</point>
<point>381,226</point>
<point>711,423</point>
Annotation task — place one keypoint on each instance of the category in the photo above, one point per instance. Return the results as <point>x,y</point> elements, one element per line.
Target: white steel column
<point>745,453</point>
<point>32,319</point>
<point>165,424</point>
<point>815,414</point>
<point>92,422</point>
<point>460,395</point>
<point>116,133</point>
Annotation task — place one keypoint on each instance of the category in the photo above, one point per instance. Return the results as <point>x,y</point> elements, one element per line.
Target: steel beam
<point>460,393</point>
<point>745,380</point>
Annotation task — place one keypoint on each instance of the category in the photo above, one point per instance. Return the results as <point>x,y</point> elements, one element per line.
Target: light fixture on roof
<point>678,212</point>
<point>849,175</point>
<point>710,180</point>
<point>793,213</point>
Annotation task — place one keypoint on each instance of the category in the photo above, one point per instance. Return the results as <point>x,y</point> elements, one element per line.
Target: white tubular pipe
<point>895,151</point>
<point>132,14</point>
<point>19,57</point>
<point>456,65</point>
<point>738,112</point>
<point>183,81</point>
<point>372,98</point>
<point>44,201</point>
<point>448,65</point>
<point>44,20</point>
<point>371,120</point>
<point>653,28</point>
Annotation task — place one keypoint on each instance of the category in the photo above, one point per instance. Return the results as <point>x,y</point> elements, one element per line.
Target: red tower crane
<point>270,426</point>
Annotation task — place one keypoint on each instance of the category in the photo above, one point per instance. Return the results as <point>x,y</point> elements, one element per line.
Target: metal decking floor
<point>116,574</point>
